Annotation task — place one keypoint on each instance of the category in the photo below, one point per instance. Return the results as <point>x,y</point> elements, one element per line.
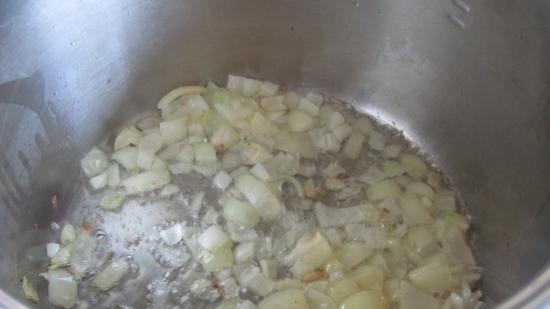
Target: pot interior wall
<point>467,81</point>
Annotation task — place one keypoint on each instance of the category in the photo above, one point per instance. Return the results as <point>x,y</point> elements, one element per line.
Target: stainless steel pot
<point>467,81</point>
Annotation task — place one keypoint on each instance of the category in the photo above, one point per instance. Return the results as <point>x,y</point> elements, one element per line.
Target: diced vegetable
<point>68,234</point>
<point>241,211</point>
<point>413,211</point>
<point>257,194</point>
<point>128,136</point>
<point>99,182</point>
<point>353,146</point>
<point>383,189</point>
<point>340,289</point>
<point>28,290</point>
<point>352,253</point>
<point>244,252</point>
<point>287,299</point>
<point>94,162</point>
<point>62,288</point>
<point>310,252</point>
<point>364,299</point>
<point>127,157</point>
<point>111,274</point>
<point>172,131</point>
<point>433,277</point>
<point>413,298</point>
<point>146,181</point>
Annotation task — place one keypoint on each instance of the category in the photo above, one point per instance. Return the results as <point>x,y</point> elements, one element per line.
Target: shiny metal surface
<point>467,81</point>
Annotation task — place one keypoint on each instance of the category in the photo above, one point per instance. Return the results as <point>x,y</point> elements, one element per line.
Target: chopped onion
<point>353,146</point>
<point>314,98</point>
<point>213,238</point>
<point>376,141</point>
<point>368,277</point>
<point>287,299</point>
<point>94,162</point>
<point>179,92</point>
<point>294,143</point>
<point>146,181</point>
<point>330,217</point>
<point>234,83</point>
<point>413,211</point>
<point>219,259</point>
<point>364,299</point>
<point>111,274</point>
<point>222,180</point>
<point>28,290</point>
<point>252,278</point>
<point>254,153</point>
<point>169,190</point>
<point>292,100</point>
<point>413,163</point>
<point>273,104</point>
<point>128,136</point>
<point>52,249</point>
<point>310,252</point>
<point>172,131</point>
<point>333,169</point>
<point>342,132</point>
<point>113,175</point>
<point>244,252</point>
<point>259,171</point>
<point>230,160</point>
<point>112,200</point>
<point>68,234</point>
<point>340,289</point>
<point>62,257</point>
<point>172,235</point>
<point>224,137</point>
<point>127,157</point>
<point>352,253</point>
<point>250,87</point>
<point>99,182</point>
<point>362,125</point>
<point>308,107</point>
<point>257,194</point>
<point>299,121</point>
<point>62,288</point>
<point>204,153</point>
<point>413,298</point>
<point>383,189</point>
<point>392,151</point>
<point>433,277</point>
<point>324,140</point>
<point>240,211</point>
<point>392,169</point>
<point>268,89</point>
<point>319,300</point>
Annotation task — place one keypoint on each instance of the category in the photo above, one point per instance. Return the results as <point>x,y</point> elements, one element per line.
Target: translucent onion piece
<point>319,300</point>
<point>434,277</point>
<point>169,190</point>
<point>257,194</point>
<point>146,181</point>
<point>299,121</point>
<point>213,238</point>
<point>224,137</point>
<point>128,136</point>
<point>94,162</point>
<point>254,153</point>
<point>308,107</point>
<point>382,190</point>
<point>179,92</point>
<point>172,131</point>
<point>99,182</point>
<point>244,252</point>
<point>218,259</point>
<point>414,298</point>
<point>331,217</point>
<point>340,289</point>
<point>413,163</point>
<point>268,89</point>
<point>62,288</point>
<point>353,146</point>
<point>310,252</point>
<point>353,253</point>
<point>292,99</point>
<point>221,180</point>
<point>205,153</point>
<point>82,257</point>
<point>127,157</point>
<point>111,274</point>
<point>241,212</point>
<point>68,234</point>
<point>28,290</point>
<point>287,299</point>
<point>364,299</point>
<point>52,249</point>
<point>172,235</point>
<point>368,277</point>
<point>413,211</point>
<point>294,143</point>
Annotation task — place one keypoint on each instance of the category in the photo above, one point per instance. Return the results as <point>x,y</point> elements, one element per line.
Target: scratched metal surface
<point>467,81</point>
